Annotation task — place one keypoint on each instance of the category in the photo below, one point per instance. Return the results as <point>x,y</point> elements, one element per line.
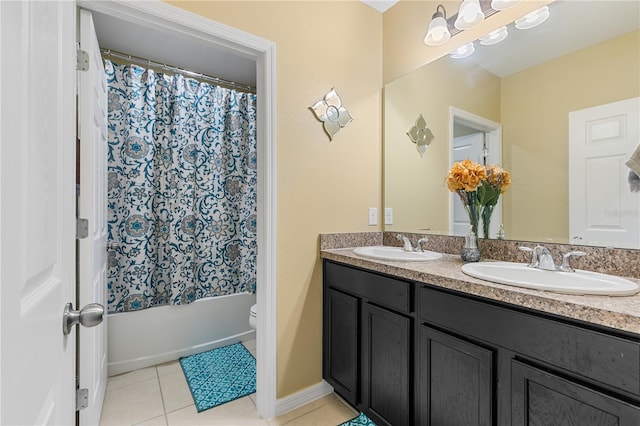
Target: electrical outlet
<point>388,216</point>
<point>373,216</point>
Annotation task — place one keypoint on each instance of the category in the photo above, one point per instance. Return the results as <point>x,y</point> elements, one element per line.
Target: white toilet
<point>253,316</point>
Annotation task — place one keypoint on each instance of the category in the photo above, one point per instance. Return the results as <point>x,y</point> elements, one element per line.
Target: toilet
<point>253,314</point>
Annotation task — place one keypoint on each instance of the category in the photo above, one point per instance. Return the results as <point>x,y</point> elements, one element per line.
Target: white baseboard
<point>305,396</point>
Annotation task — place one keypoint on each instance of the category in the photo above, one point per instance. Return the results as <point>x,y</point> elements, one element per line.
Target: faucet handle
<point>566,266</point>
<point>419,244</point>
<point>534,256</point>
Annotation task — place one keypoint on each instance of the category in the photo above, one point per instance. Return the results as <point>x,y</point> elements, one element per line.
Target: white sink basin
<point>578,282</point>
<point>396,254</point>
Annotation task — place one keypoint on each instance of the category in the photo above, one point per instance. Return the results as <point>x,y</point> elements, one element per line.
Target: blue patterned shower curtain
<point>182,189</point>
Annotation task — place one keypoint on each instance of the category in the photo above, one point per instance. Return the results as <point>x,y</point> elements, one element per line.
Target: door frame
<point>493,140</point>
<point>183,23</point>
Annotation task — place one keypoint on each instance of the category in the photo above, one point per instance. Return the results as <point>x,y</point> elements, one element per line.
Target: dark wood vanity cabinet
<point>455,382</point>
<point>517,367</point>
<point>367,339</point>
<point>410,353</point>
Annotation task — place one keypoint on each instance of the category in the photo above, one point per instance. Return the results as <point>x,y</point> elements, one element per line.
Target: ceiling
<point>380,5</point>
<point>572,25</point>
<point>167,48</point>
<point>562,33</point>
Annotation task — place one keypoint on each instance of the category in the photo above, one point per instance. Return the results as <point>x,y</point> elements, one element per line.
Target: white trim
<point>493,141</point>
<point>160,14</point>
<point>305,396</point>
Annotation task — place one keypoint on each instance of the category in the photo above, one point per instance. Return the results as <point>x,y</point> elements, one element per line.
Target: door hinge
<point>82,398</point>
<point>82,228</point>
<point>82,60</point>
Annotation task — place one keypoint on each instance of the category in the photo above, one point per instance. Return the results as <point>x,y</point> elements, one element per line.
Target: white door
<point>37,226</point>
<point>602,209</point>
<point>92,205</point>
<point>464,147</point>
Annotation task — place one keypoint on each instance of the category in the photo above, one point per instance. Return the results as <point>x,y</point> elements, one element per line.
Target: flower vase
<point>470,202</point>
<point>486,213</point>
<point>470,252</point>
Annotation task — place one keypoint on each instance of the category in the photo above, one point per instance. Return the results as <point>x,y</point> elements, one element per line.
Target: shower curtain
<point>182,182</point>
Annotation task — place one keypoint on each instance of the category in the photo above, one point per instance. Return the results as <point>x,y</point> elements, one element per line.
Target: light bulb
<point>532,19</point>
<point>469,15</point>
<point>494,37</point>
<point>463,51</point>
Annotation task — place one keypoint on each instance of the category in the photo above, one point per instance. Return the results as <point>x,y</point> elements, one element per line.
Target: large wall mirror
<point>565,95</point>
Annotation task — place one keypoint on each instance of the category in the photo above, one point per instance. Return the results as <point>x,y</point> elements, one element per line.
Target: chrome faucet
<point>545,260</point>
<point>541,258</point>
<point>405,241</point>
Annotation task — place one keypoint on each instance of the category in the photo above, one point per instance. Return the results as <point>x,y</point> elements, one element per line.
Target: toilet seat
<point>253,316</point>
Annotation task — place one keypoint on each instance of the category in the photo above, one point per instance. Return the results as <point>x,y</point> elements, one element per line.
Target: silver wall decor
<point>331,112</point>
<point>421,135</point>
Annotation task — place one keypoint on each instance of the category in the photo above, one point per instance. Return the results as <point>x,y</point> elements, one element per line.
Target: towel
<point>634,162</point>
<point>634,181</point>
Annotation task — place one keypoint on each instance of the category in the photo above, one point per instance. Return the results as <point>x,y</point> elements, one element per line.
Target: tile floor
<point>160,396</point>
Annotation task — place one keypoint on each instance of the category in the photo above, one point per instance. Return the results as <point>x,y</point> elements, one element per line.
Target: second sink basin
<point>396,254</point>
<point>578,282</point>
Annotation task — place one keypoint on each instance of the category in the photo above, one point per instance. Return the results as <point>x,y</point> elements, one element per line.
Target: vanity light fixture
<point>532,19</point>
<point>438,32</point>
<point>463,51</point>
<point>494,37</point>
<point>469,15</point>
<point>503,4</point>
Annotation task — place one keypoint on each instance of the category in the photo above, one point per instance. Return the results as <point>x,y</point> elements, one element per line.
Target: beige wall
<point>322,186</point>
<point>406,23</point>
<point>416,188</point>
<point>535,110</point>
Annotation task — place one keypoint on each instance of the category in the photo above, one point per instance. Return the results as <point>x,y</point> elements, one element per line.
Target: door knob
<point>89,316</point>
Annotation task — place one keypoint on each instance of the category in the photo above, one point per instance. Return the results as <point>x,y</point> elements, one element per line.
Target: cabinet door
<point>455,381</point>
<point>386,358</point>
<point>540,398</point>
<point>340,352</point>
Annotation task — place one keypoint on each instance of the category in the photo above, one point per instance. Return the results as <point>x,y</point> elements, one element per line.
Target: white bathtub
<point>152,336</point>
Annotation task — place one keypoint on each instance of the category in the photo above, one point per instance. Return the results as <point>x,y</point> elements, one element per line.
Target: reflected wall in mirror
<point>529,83</point>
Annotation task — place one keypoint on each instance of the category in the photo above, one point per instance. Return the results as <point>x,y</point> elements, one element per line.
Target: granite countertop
<point>621,313</point>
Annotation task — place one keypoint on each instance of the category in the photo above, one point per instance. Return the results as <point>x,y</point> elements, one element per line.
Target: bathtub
<point>152,336</point>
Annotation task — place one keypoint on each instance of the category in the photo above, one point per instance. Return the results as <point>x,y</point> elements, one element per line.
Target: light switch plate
<point>373,216</point>
<point>388,216</point>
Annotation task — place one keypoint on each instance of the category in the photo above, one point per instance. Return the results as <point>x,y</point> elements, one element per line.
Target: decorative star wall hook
<point>331,112</point>
<point>421,135</point>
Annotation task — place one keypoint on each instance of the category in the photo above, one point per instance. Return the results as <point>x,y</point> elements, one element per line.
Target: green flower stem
<point>485,213</point>
<point>470,202</point>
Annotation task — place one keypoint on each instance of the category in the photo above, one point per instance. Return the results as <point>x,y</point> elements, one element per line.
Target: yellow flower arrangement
<point>479,188</point>
<point>466,175</point>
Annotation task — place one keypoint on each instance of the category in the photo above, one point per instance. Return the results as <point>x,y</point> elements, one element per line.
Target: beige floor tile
<point>175,391</point>
<point>305,409</point>
<point>238,412</point>
<point>132,377</point>
<point>132,404</point>
<point>156,421</point>
<point>169,368</point>
<point>251,346</point>
<point>327,415</point>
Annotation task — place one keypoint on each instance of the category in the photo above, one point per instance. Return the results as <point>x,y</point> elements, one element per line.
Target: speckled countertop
<point>622,313</point>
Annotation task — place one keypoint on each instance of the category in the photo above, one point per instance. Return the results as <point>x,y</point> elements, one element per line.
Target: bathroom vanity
<point>422,343</point>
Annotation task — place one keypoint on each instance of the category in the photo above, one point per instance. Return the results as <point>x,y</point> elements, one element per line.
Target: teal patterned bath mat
<point>220,375</point>
<point>361,420</point>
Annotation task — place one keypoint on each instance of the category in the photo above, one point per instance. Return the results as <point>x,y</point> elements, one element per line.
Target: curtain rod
<point>204,77</point>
